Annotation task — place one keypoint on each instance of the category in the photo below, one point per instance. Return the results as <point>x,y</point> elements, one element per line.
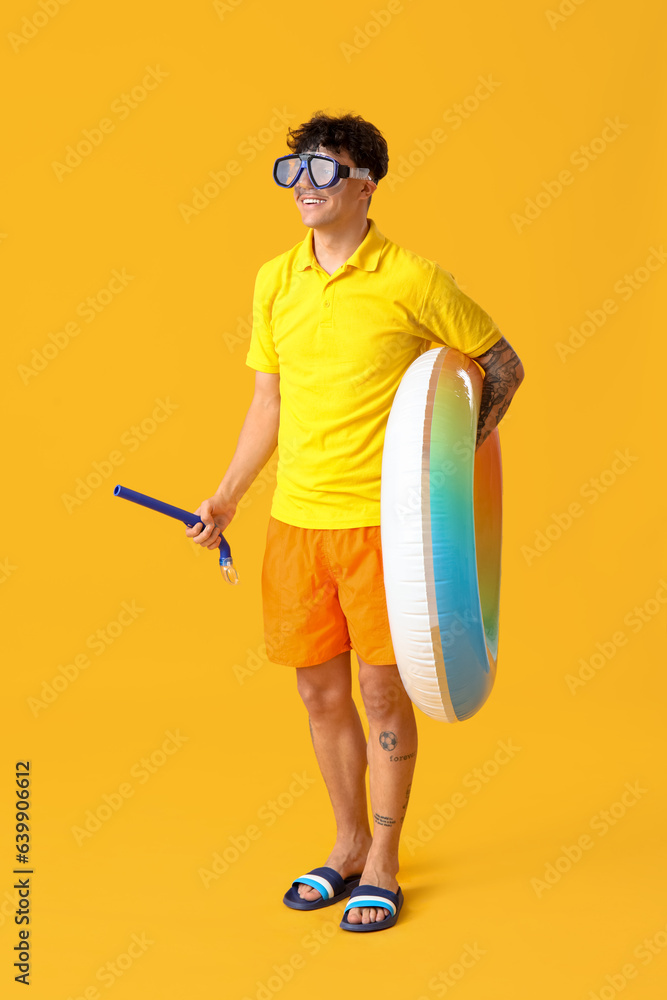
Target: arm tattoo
<point>383,820</point>
<point>503,373</point>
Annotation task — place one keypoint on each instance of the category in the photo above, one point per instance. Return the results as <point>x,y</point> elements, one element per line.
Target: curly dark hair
<point>363,141</point>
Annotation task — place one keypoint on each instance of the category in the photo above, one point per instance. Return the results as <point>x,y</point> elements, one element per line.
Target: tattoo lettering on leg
<point>406,756</point>
<point>407,799</point>
<point>388,741</point>
<point>383,820</point>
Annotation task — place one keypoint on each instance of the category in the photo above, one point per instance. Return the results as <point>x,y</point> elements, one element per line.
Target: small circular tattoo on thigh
<point>388,741</point>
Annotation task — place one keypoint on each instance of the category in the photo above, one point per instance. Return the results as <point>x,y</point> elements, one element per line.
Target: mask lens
<point>287,169</point>
<point>322,171</point>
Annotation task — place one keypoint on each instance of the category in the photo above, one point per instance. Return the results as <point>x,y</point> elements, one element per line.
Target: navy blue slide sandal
<point>371,895</point>
<point>328,882</point>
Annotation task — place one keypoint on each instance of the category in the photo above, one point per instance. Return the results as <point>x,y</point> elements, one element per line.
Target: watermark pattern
<point>113,970</point>
<point>445,980</point>
<point>9,906</point>
<point>258,658</point>
<point>364,34</point>
<point>601,823</point>
<point>454,117</point>
<point>286,453</point>
<point>596,318</point>
<point>31,26</point>
<point>283,973</point>
<point>98,642</point>
<point>88,309</point>
<point>131,440</point>
<point>267,816</point>
<point>565,10</point>
<point>92,138</point>
<point>7,569</point>
<point>614,983</point>
<point>591,491</point>
<point>241,335</point>
<point>606,650</point>
<point>440,474</point>
<point>581,158</point>
<point>142,770</point>
<point>400,345</point>
<point>474,781</point>
<point>222,7</point>
<point>264,480</point>
<point>248,150</point>
<point>650,947</point>
<point>644,952</point>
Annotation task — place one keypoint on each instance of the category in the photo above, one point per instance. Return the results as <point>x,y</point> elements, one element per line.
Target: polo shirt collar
<point>365,257</point>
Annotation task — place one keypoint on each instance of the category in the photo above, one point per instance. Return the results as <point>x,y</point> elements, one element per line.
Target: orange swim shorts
<point>323,593</point>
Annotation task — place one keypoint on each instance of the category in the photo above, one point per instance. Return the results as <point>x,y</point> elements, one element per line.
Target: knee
<point>323,699</point>
<point>382,692</point>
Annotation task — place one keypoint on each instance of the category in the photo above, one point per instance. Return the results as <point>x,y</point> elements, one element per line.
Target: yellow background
<point>191,661</point>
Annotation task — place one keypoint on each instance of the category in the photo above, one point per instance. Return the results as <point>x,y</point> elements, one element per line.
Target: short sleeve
<point>262,352</point>
<point>450,317</point>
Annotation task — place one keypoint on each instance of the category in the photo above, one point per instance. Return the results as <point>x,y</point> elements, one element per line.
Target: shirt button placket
<point>327,301</point>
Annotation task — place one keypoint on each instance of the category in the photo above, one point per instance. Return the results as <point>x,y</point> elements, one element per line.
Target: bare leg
<point>340,747</point>
<point>392,752</point>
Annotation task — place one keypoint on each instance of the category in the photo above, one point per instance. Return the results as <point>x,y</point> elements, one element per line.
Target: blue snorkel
<point>227,567</point>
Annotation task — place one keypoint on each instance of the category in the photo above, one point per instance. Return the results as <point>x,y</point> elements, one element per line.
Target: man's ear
<point>369,186</point>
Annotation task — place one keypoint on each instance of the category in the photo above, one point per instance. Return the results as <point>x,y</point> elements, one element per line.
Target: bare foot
<point>371,914</point>
<point>346,862</point>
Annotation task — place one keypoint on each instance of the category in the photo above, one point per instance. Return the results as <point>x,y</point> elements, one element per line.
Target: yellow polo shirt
<point>342,343</point>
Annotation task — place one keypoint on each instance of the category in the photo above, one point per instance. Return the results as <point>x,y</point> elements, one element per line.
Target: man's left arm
<point>503,374</point>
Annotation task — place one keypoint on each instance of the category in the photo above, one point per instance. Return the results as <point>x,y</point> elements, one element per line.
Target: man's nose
<point>304,183</point>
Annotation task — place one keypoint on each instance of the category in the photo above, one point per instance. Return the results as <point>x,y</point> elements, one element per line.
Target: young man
<point>338,319</point>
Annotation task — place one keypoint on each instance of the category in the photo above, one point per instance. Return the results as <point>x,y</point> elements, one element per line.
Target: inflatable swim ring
<point>441,519</point>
